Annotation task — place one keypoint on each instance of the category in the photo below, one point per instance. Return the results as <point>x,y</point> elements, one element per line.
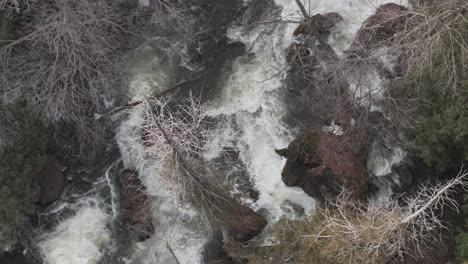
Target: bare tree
<point>371,234</point>
<point>346,231</point>
<point>177,137</point>
<point>66,58</point>
<point>65,61</point>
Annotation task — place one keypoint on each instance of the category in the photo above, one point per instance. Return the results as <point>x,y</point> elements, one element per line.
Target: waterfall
<point>249,99</point>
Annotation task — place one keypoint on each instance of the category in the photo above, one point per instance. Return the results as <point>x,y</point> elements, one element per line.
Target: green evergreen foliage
<point>442,134</point>
<point>462,237</point>
<point>20,162</point>
<point>438,81</point>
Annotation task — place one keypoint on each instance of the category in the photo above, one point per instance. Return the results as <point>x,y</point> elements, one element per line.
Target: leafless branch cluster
<point>146,14</point>
<point>257,12</point>
<point>65,62</point>
<point>15,6</point>
<point>347,231</point>
<point>384,70</point>
<point>435,42</point>
<point>332,89</point>
<point>369,234</point>
<point>177,136</point>
<point>65,58</point>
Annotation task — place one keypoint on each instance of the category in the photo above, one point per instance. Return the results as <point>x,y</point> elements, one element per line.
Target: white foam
<point>251,96</point>
<point>80,239</point>
<point>354,12</point>
<point>177,226</point>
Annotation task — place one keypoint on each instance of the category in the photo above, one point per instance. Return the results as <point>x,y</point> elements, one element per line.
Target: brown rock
<point>245,224</point>
<point>381,27</point>
<point>51,181</point>
<point>321,166</point>
<point>135,205</point>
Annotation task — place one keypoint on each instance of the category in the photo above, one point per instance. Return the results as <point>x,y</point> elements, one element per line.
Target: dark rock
<point>321,165</point>
<point>20,254</point>
<point>282,152</point>
<point>310,75</point>
<point>214,251</point>
<point>319,25</point>
<point>135,205</point>
<point>310,46</point>
<point>14,258</point>
<point>405,175</point>
<point>391,168</point>
<point>244,225</point>
<point>377,34</point>
<point>388,20</point>
<point>51,181</point>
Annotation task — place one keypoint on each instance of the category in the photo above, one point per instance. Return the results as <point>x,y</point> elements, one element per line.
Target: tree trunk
<point>303,10</point>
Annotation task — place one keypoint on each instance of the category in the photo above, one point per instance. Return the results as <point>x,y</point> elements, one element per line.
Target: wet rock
<point>310,46</point>
<point>135,205</point>
<point>374,42</point>
<point>214,251</point>
<point>51,181</point>
<point>244,225</point>
<point>388,20</point>
<point>15,258</point>
<point>319,25</point>
<point>282,152</point>
<point>321,165</point>
<point>390,166</point>
<point>311,76</point>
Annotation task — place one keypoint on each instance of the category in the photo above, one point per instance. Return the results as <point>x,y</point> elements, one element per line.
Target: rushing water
<point>248,98</point>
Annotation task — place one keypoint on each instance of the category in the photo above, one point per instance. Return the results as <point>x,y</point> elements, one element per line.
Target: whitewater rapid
<point>251,102</point>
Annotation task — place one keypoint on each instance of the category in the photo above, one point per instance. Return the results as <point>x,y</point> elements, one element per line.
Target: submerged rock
<point>51,181</point>
<point>135,205</point>
<point>321,165</point>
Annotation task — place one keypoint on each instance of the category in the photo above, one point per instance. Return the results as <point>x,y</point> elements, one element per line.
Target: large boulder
<point>51,181</point>
<point>135,205</point>
<point>244,225</point>
<point>310,45</point>
<point>388,20</point>
<point>322,165</point>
